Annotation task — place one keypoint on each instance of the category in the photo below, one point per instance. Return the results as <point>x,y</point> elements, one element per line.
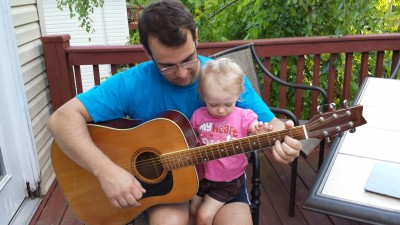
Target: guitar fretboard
<point>207,153</point>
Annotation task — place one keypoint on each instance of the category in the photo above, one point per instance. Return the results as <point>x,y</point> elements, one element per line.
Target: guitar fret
<point>226,149</point>
<point>249,141</point>
<point>190,157</point>
<point>233,148</point>
<point>170,162</point>
<point>207,156</point>
<point>253,142</point>
<point>223,150</point>
<point>258,140</point>
<point>236,144</point>
<point>185,158</point>
<point>212,152</point>
<point>269,140</point>
<point>178,160</point>
<point>195,155</point>
<point>204,159</point>
<point>219,152</point>
<point>263,143</point>
<point>229,149</point>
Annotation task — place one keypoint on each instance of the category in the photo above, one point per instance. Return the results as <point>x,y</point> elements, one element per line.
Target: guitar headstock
<point>332,123</point>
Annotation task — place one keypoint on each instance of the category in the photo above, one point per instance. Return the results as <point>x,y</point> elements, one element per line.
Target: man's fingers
<point>291,146</point>
<point>289,124</point>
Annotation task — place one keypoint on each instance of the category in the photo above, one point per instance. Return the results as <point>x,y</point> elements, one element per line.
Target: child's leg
<point>207,210</point>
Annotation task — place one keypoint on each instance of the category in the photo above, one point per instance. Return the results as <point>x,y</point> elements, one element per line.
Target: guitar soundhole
<point>146,165</point>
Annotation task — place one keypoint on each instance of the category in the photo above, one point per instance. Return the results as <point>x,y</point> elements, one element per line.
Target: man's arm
<point>69,129</point>
<point>289,149</point>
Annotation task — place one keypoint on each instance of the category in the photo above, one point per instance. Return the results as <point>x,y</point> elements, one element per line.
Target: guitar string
<point>198,152</point>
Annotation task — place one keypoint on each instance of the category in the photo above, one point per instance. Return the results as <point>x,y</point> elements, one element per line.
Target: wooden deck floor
<point>275,178</point>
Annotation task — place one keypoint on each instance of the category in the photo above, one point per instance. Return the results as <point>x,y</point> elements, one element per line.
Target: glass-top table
<point>340,185</point>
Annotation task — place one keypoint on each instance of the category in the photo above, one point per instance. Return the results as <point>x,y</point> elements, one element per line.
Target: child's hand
<point>259,127</point>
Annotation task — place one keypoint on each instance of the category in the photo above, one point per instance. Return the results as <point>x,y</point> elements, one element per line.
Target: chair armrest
<point>396,69</point>
<point>287,84</point>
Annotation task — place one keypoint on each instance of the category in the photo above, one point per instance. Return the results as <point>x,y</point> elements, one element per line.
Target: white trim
<point>16,116</point>
<point>26,211</point>
<point>42,21</point>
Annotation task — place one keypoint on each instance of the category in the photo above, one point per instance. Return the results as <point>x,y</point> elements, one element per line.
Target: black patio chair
<point>396,69</point>
<point>247,58</point>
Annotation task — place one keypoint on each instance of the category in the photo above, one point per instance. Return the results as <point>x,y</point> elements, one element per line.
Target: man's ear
<point>196,39</point>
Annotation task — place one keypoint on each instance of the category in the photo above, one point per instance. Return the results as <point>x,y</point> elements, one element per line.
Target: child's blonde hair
<point>222,72</point>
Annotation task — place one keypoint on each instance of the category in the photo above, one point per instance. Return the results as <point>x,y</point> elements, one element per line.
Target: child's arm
<point>258,127</point>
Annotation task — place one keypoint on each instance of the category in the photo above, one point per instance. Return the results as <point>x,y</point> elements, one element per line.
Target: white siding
<point>115,22</point>
<point>27,32</point>
<point>110,24</point>
<point>111,28</point>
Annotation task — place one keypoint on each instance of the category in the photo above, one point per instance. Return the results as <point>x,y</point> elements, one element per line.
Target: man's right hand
<point>120,187</point>
<point>68,126</point>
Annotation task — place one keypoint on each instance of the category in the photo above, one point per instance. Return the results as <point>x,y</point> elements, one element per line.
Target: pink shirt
<point>215,130</point>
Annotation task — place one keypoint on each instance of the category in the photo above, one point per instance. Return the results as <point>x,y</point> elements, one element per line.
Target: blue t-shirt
<point>142,92</point>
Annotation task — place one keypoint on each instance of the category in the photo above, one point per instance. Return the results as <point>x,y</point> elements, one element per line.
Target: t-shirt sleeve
<point>104,102</point>
<point>251,100</point>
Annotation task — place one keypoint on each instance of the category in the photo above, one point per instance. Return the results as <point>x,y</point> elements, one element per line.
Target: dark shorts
<point>231,191</point>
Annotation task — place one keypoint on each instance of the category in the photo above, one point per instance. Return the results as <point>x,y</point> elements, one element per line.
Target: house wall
<point>27,31</point>
<point>110,24</point>
<point>33,19</point>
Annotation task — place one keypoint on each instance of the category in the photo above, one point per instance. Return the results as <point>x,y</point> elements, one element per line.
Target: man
<point>167,81</point>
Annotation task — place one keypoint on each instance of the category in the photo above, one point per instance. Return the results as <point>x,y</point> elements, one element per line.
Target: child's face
<point>219,102</point>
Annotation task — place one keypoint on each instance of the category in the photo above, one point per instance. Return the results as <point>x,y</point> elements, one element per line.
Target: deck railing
<point>63,62</point>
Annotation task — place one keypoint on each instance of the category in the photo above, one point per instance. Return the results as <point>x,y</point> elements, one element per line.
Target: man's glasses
<point>174,68</point>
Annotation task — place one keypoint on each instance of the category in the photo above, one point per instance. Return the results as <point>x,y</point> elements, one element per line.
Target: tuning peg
<point>332,106</point>
<point>352,130</point>
<point>346,103</point>
<point>319,109</point>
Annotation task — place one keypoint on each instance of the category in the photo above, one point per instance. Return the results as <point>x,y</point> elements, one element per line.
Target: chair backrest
<point>243,57</point>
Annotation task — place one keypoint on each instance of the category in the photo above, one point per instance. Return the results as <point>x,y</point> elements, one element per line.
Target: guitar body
<point>130,148</point>
<point>161,153</point>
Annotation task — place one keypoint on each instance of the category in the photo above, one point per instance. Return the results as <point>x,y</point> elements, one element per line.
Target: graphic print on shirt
<point>211,133</point>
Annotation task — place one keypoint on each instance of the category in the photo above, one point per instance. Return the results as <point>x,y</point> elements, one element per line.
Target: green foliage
<point>134,38</point>
<point>82,8</point>
<point>255,19</point>
<point>221,20</point>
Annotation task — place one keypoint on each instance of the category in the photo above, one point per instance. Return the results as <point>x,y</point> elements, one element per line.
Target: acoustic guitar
<point>161,154</point>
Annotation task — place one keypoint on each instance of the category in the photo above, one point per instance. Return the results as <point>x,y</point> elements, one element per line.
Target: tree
<point>222,20</point>
<point>82,8</point>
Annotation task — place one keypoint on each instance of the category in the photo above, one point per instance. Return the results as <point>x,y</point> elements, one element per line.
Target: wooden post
<point>59,72</point>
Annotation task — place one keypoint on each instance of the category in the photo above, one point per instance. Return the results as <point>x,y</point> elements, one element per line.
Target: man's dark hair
<point>168,21</point>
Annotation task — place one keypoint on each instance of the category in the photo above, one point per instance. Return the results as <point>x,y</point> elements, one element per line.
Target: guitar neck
<point>206,153</point>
